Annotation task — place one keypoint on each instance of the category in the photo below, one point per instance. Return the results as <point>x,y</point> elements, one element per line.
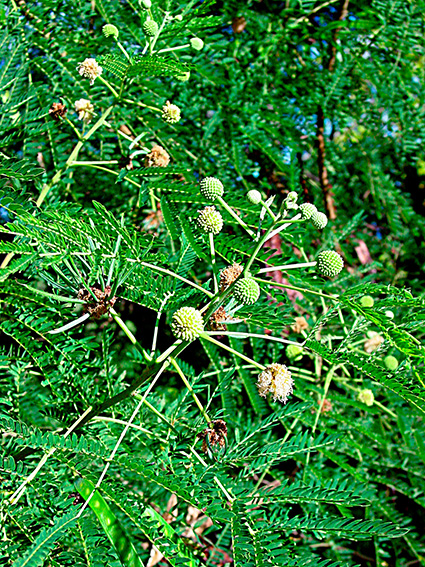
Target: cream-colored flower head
<point>170,113</point>
<point>366,397</point>
<point>85,110</point>
<point>277,380</point>
<point>90,69</point>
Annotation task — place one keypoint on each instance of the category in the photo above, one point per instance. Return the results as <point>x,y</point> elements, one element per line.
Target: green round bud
<point>391,362</point>
<point>254,196</point>
<point>246,291</point>
<point>146,4</point>
<point>196,43</point>
<point>179,17</point>
<point>366,397</point>
<point>187,324</point>
<point>110,29</point>
<point>329,263</point>
<point>367,301</point>
<point>292,196</point>
<point>320,220</point>
<point>389,314</point>
<point>211,188</point>
<point>210,220</point>
<point>307,210</point>
<point>293,351</point>
<point>150,28</point>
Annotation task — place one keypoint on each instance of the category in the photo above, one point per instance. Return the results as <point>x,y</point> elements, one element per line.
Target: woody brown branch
<point>321,148</point>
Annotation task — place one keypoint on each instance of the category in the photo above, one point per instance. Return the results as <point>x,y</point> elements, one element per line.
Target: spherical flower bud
<point>211,188</point>
<point>85,110</point>
<point>110,29</point>
<point>210,220</point>
<point>150,28</point>
<point>146,4</point>
<point>170,113</point>
<point>179,17</point>
<point>196,43</point>
<point>187,324</point>
<point>389,314</point>
<point>329,263</point>
<point>277,380</point>
<point>391,362</point>
<point>246,291</point>
<point>90,69</point>
<point>254,196</point>
<point>307,210</point>
<point>292,196</point>
<point>367,301</point>
<point>366,397</point>
<point>320,220</point>
<point>293,351</point>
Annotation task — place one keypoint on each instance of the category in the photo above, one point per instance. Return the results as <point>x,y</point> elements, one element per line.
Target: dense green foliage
<point>154,408</point>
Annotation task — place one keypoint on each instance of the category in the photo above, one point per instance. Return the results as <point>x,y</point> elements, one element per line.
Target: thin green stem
<point>241,335</point>
<point>268,209</point>
<point>168,49</point>
<point>191,390</point>
<point>229,349</point>
<point>137,103</point>
<point>214,266</point>
<point>235,216</point>
<point>287,267</point>
<point>260,243</point>
<point>304,290</point>
<point>110,87</point>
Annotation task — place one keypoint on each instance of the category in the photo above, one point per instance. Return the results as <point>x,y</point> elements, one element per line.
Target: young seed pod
<point>246,291</point>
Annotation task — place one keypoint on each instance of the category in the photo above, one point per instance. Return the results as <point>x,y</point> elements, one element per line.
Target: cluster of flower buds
<point>291,201</point>
<point>309,212</point>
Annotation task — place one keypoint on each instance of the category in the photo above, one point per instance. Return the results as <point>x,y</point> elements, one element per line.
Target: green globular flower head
<point>211,188</point>
<point>307,210</point>
<point>246,291</point>
<point>329,263</point>
<point>366,397</point>
<point>196,43</point>
<point>294,351</point>
<point>367,301</point>
<point>320,220</point>
<point>254,196</point>
<point>146,4</point>
<point>391,362</point>
<point>292,196</point>
<point>150,28</point>
<point>110,29</point>
<point>210,220</point>
<point>187,324</point>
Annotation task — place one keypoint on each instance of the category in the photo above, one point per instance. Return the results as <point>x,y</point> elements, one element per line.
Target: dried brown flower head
<point>103,304</point>
<point>299,325</point>
<point>57,111</point>
<point>157,157</point>
<point>229,275</point>
<point>214,436</point>
<point>373,343</point>
<point>217,318</point>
